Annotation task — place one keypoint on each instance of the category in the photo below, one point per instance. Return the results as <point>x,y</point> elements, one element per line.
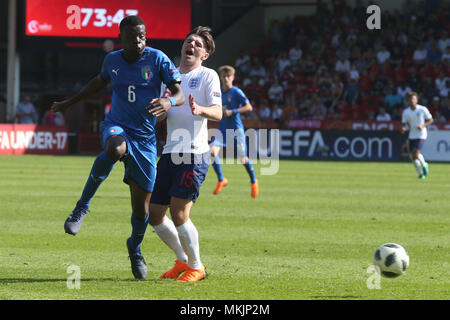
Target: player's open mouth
<point>189,52</point>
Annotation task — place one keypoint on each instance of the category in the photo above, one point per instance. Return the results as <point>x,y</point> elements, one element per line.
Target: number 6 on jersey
<point>131,94</point>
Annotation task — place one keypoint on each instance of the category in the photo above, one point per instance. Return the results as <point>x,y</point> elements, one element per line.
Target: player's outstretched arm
<point>159,106</point>
<point>213,112</point>
<point>94,86</point>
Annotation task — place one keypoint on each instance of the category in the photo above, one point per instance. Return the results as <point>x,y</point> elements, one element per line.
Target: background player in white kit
<point>185,160</point>
<point>417,117</point>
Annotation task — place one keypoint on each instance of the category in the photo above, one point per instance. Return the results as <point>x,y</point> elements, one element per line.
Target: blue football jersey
<point>134,85</point>
<point>234,98</point>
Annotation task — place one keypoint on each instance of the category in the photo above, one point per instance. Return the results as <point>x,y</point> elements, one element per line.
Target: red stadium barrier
<point>32,139</point>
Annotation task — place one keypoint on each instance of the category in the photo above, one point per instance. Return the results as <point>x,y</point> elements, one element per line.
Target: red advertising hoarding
<point>168,19</point>
<point>32,139</point>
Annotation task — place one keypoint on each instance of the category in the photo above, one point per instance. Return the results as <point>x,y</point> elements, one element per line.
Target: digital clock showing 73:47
<point>98,16</point>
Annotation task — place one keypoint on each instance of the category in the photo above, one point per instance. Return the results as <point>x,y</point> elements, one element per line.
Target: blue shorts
<point>220,139</point>
<point>140,158</point>
<point>416,144</point>
<point>181,180</point>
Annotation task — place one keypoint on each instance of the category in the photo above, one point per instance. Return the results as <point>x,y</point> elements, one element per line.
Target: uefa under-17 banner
<point>33,139</point>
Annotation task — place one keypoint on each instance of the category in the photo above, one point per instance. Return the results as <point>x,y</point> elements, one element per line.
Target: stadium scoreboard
<point>168,19</point>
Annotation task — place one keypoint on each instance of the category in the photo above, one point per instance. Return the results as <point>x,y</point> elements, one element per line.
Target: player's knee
<point>116,148</point>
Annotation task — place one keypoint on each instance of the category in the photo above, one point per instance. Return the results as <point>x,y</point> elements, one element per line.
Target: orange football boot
<point>193,275</point>
<point>255,189</point>
<point>220,185</point>
<point>176,270</point>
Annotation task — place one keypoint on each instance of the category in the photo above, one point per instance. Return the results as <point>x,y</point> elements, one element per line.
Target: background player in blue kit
<point>234,102</point>
<point>136,73</point>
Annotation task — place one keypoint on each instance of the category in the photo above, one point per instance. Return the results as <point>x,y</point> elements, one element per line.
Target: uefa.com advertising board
<point>380,145</point>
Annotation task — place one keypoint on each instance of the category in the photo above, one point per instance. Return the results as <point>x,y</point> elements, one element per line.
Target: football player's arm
<point>94,86</point>
<point>245,108</point>
<point>212,112</point>
<point>426,124</point>
<point>159,106</point>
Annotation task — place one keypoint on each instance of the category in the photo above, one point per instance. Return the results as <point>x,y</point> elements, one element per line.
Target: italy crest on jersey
<point>146,72</point>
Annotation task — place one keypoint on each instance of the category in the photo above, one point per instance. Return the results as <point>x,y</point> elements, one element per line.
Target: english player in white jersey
<point>418,118</point>
<point>184,163</point>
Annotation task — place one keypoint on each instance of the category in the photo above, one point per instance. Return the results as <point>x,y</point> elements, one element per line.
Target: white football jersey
<point>413,118</point>
<point>185,132</point>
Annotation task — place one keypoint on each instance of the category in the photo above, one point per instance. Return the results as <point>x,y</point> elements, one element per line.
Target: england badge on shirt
<point>146,72</point>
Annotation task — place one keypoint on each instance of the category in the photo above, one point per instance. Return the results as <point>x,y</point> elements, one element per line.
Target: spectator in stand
<point>258,71</point>
<point>336,38</point>
<point>392,98</point>
<point>327,98</point>
<point>283,62</point>
<point>295,54</point>
<point>429,90</point>
<point>403,89</point>
<point>264,110</point>
<point>413,79</point>
<point>323,79</point>
<point>342,65</point>
<point>446,56</point>
<point>443,93</point>
<point>277,114</point>
<point>254,90</point>
<point>275,92</point>
<point>353,74</point>
<point>290,110</point>
<point>383,115</point>
<point>352,92</point>
<point>343,52</point>
<point>275,29</point>
<point>444,41</point>
<point>434,53</point>
<point>439,117</point>
<point>242,63</point>
<point>308,66</point>
<point>435,105</point>
<point>26,112</point>
<point>420,54</point>
<point>317,109</point>
<point>383,55</point>
<point>53,118</point>
<point>365,81</point>
<point>440,81</point>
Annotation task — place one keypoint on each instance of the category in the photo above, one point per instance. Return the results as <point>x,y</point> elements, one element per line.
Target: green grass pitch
<point>311,233</point>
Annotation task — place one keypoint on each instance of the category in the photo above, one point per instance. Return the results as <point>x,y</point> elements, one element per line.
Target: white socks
<point>188,235</point>
<point>418,166</point>
<point>167,232</point>
<point>183,240</point>
<point>421,159</point>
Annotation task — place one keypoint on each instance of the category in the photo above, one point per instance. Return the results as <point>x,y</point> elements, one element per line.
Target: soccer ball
<point>392,259</point>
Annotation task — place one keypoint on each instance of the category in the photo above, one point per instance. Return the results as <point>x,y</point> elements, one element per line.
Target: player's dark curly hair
<point>205,33</point>
<point>131,21</point>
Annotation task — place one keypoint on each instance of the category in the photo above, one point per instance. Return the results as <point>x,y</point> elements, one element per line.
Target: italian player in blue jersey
<point>136,74</point>
<point>234,102</point>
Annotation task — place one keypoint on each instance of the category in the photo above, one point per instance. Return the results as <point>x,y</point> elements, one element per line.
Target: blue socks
<point>249,167</point>
<point>138,228</point>
<point>100,170</point>
<point>218,168</point>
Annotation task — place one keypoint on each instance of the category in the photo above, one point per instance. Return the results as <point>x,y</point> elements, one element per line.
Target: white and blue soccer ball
<point>392,259</point>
